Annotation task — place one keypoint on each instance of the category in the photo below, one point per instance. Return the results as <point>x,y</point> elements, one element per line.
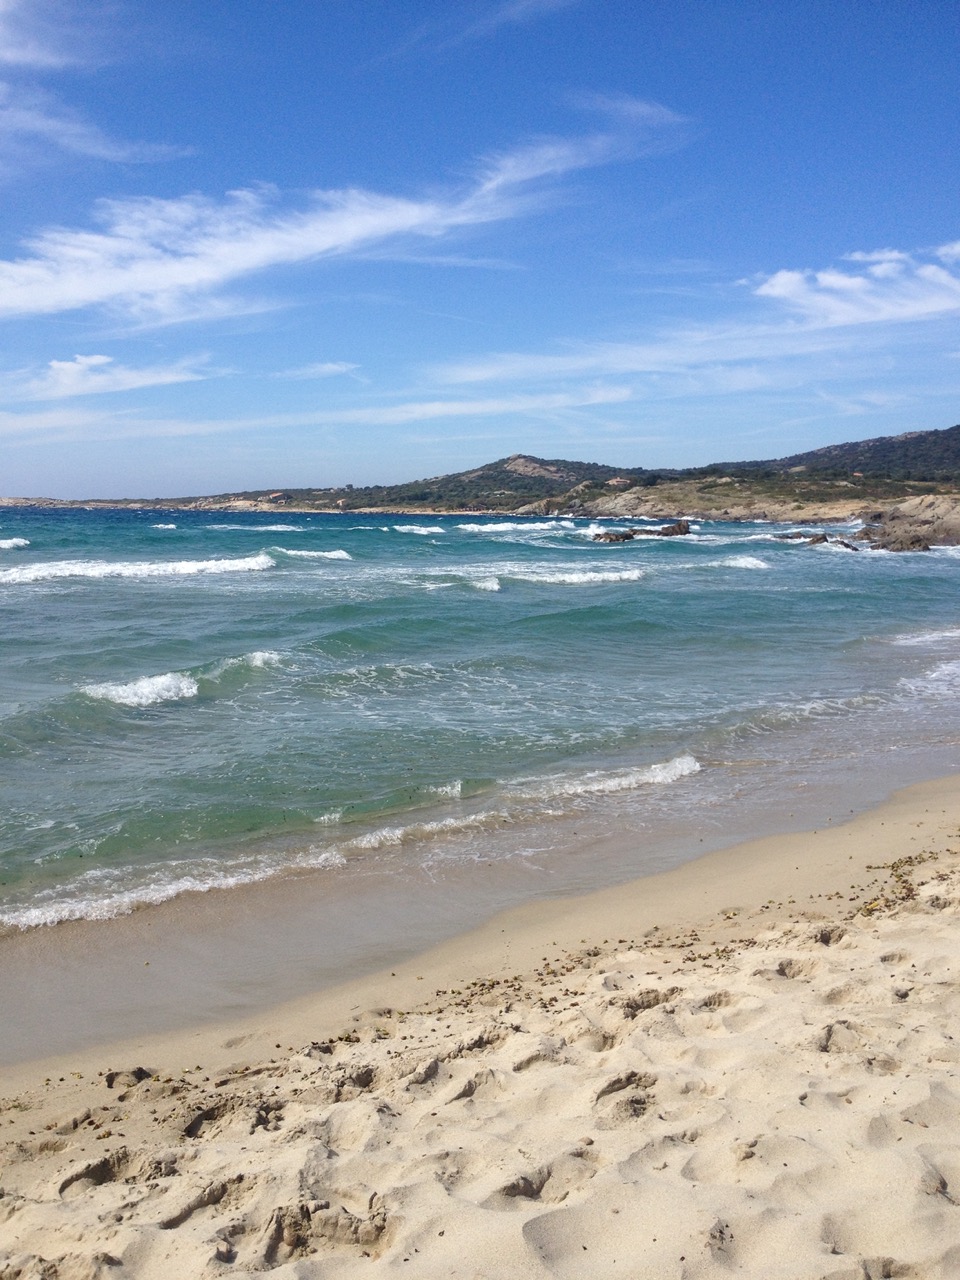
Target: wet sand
<point>750,1063</point>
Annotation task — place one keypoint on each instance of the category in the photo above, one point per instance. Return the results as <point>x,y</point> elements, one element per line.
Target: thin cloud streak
<point>67,425</point>
<point>512,14</point>
<point>99,375</point>
<point>322,369</point>
<point>38,117</point>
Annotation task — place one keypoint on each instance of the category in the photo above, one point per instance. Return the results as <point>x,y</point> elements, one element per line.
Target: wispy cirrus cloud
<point>62,425</point>
<point>34,36</point>
<point>451,32</point>
<point>514,13</point>
<point>97,375</point>
<point>42,37</point>
<point>167,259</point>
<point>32,116</point>
<point>801,314</point>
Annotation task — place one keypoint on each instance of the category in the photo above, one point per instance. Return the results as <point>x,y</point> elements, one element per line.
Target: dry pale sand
<point>749,1066</point>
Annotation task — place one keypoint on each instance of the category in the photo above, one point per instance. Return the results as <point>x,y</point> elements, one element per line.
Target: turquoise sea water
<point>193,699</point>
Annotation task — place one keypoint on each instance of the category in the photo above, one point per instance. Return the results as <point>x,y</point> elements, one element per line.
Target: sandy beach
<point>748,1065</point>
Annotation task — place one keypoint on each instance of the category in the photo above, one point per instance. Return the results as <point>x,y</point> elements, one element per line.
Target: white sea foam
<point>317,555</point>
<point>422,529</point>
<point>256,660</point>
<point>148,691</point>
<point>13,544</point>
<point>582,577</point>
<point>515,526</point>
<point>390,837</point>
<point>487,584</point>
<point>163,526</point>
<point>261,658</point>
<point>607,783</point>
<point>744,562</point>
<point>942,679</point>
<point>261,528</point>
<point>449,790</point>
<point>97,896</point>
<point>53,569</point>
<point>928,637</point>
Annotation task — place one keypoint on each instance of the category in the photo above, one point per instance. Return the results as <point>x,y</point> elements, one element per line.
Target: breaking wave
<point>607,783</point>
<point>175,686</point>
<point>148,691</point>
<point>53,569</point>
<point>582,577</point>
<point>316,555</point>
<point>514,526</point>
<point>258,528</point>
<point>13,544</point>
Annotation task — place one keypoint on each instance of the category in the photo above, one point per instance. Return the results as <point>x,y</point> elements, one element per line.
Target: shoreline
<point>747,875</point>
<point>680,1017</point>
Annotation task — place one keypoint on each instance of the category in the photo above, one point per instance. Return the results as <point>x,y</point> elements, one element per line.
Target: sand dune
<point>771,1092</point>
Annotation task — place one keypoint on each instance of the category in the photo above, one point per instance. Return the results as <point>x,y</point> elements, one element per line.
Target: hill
<point>930,456</point>
<point>849,476</point>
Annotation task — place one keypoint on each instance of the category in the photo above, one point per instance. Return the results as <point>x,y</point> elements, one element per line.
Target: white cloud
<point>322,369</point>
<point>32,116</point>
<point>97,374</point>
<point>891,287</point>
<point>28,37</point>
<point>512,13</point>
<point>63,425</point>
<point>805,313</point>
<point>161,260</point>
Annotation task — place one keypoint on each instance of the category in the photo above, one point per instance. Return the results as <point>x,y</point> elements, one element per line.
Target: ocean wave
<point>148,691</point>
<point>316,555</point>
<point>787,715</point>
<point>581,577</point>
<point>448,790</point>
<point>256,661</point>
<point>514,526</point>
<point>942,679</point>
<point>928,637</point>
<point>96,896</point>
<point>391,837</point>
<point>175,686</point>
<point>260,528</point>
<point>163,526</point>
<point>13,544</point>
<point>53,569</point>
<point>742,562</point>
<point>486,584</point>
<point>599,782</point>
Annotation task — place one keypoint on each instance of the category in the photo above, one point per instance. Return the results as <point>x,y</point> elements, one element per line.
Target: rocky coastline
<point>915,523</point>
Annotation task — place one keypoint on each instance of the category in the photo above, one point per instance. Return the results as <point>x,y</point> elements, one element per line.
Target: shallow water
<point>191,699</point>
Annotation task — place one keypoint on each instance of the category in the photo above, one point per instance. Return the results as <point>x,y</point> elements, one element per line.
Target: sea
<point>192,701</point>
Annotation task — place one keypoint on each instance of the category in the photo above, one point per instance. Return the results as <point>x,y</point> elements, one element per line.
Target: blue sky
<point>311,243</point>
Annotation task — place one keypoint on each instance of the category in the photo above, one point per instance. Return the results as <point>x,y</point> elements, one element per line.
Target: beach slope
<point>748,1066</point>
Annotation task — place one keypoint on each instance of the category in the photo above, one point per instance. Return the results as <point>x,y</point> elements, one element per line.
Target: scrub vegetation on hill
<point>879,470</point>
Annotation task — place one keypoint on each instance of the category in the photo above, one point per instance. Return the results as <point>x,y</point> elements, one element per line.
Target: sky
<point>317,242</point>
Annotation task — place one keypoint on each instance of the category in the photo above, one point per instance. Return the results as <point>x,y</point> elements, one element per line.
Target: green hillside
<point>932,456</point>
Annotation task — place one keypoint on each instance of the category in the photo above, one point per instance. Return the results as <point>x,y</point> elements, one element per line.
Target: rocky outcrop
<point>917,524</point>
<point>679,529</point>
